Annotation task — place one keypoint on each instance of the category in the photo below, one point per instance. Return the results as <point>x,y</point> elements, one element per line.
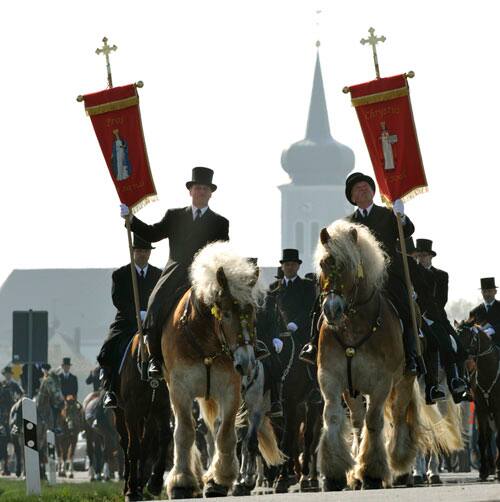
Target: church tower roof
<point>318,159</point>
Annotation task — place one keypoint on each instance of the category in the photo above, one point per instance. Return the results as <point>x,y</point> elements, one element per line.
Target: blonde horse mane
<point>353,254</point>
<point>239,272</point>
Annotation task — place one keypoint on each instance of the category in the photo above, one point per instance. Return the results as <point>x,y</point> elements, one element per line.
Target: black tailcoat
<point>383,225</point>
<point>186,237</point>
<point>480,316</point>
<point>125,324</point>
<point>69,384</point>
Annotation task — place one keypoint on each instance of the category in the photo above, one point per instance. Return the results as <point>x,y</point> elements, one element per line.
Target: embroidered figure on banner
<point>387,141</point>
<point>119,158</point>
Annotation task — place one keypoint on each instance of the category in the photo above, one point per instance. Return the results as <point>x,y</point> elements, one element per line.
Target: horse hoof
<point>132,497</point>
<point>372,483</point>
<point>334,485</point>
<point>71,476</point>
<point>155,488</point>
<point>178,492</point>
<point>304,485</point>
<point>241,490</point>
<point>435,480</point>
<point>283,483</point>
<point>213,489</point>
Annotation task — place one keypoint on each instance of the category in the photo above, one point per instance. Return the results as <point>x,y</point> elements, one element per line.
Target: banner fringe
<point>143,202</point>
<point>407,196</point>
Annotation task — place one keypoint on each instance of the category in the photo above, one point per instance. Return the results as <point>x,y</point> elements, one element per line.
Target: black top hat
<point>47,366</point>
<point>7,369</point>
<point>202,176</point>
<point>354,178</point>
<point>290,255</point>
<point>66,360</point>
<point>488,283</point>
<point>140,243</point>
<point>425,246</point>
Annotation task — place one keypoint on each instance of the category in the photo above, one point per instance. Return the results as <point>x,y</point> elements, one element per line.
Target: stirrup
<point>309,354</point>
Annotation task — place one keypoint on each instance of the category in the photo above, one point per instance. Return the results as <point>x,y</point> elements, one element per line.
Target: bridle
<point>245,336</point>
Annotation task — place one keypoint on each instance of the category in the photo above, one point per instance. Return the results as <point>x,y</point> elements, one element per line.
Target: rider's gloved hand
<point>399,208</point>
<point>291,326</point>
<point>278,345</point>
<point>124,210</point>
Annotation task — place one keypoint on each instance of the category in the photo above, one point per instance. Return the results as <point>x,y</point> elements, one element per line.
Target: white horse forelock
<point>366,251</point>
<point>240,274</point>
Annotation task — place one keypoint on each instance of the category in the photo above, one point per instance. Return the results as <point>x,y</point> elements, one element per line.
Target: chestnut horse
<point>207,345</point>
<point>361,350</point>
<point>486,389</point>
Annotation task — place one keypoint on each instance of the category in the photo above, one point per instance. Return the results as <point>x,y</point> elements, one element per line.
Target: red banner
<point>116,118</point>
<point>384,112</point>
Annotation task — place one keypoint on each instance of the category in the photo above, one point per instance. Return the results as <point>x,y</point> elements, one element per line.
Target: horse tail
<point>268,445</point>
<point>209,411</point>
<point>453,419</point>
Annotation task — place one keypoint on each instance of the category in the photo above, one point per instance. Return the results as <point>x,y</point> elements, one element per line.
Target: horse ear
<point>455,323</point>
<point>354,234</point>
<point>325,237</point>
<point>222,280</point>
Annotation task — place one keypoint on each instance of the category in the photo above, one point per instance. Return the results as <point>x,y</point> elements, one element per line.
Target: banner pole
<point>142,347</point>
<point>409,287</point>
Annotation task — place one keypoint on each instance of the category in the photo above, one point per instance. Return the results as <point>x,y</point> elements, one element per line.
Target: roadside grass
<point>15,491</point>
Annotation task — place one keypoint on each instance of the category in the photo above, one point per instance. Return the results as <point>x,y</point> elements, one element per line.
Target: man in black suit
<point>124,327</point>
<point>69,382</point>
<point>437,319</point>
<point>188,230</point>
<point>288,307</point>
<point>487,314</point>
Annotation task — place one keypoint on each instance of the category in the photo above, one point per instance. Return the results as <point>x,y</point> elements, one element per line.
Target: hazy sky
<point>227,85</point>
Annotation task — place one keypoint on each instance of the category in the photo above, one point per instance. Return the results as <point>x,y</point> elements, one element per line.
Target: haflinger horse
<point>70,422</point>
<point>485,383</point>
<point>48,399</point>
<point>361,351</point>
<point>208,344</point>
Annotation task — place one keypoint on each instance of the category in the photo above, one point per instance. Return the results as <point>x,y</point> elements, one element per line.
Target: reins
<point>352,306</point>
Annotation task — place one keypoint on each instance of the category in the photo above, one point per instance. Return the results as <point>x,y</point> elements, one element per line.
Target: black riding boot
<point>107,382</point>
<point>433,391</point>
<point>153,340</point>
<point>410,347</point>
<point>276,410</point>
<point>309,352</point>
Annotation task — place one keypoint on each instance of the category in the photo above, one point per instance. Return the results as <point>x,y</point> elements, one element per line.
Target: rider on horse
<point>124,327</point>
<point>359,191</point>
<point>188,229</point>
<point>487,314</point>
<point>288,307</point>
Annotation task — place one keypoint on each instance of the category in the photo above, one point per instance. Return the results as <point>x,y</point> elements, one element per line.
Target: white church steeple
<point>318,166</point>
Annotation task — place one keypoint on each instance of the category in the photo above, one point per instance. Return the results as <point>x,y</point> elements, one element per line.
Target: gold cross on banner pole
<point>373,41</point>
<point>106,50</point>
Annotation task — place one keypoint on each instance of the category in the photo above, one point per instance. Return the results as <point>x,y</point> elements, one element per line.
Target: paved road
<point>456,487</point>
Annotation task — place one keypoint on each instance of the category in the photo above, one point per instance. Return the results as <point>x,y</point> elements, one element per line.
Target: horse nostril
<point>239,369</point>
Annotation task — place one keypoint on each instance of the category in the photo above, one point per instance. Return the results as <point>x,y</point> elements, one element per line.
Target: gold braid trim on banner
<point>380,96</point>
<point>112,106</point>
<point>143,202</point>
<point>407,196</point>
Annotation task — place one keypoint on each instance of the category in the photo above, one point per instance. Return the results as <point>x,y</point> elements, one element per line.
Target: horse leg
<point>123,436</point>
<point>334,457</point>
<point>484,441</point>
<point>406,429</point>
<point>223,469</point>
<point>372,465</point>
<point>164,435</point>
<point>133,454</point>
<point>182,481</point>
<point>357,416</point>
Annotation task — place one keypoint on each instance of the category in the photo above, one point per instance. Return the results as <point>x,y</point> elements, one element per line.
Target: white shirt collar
<point>292,279</point>
<point>368,209</point>
<point>194,209</point>
<point>489,304</point>
<point>139,269</point>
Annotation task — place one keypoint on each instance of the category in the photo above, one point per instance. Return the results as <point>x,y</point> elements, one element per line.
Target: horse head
<point>50,389</point>
<point>472,337</point>
<point>71,412</point>
<point>352,268</point>
<point>235,324</point>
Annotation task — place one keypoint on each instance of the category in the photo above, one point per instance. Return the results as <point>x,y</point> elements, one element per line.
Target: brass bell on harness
<point>350,352</point>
